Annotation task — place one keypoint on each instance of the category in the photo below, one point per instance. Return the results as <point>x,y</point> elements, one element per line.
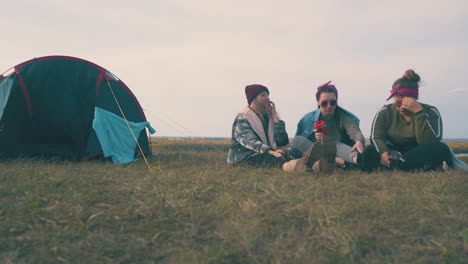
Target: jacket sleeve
<point>378,135</point>
<point>300,127</point>
<point>352,130</point>
<point>246,136</point>
<point>281,136</point>
<point>428,126</point>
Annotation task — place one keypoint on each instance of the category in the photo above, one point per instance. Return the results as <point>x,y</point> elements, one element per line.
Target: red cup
<point>321,127</point>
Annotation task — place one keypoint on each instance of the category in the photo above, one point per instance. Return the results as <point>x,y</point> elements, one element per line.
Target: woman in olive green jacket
<point>407,134</point>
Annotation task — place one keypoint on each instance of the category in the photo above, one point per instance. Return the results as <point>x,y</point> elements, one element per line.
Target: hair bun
<point>411,76</point>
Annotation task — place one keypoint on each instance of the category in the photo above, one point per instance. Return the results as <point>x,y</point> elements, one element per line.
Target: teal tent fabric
<point>5,88</point>
<point>115,137</point>
<point>47,107</point>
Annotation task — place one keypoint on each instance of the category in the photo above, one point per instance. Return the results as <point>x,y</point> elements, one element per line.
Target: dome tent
<point>48,106</point>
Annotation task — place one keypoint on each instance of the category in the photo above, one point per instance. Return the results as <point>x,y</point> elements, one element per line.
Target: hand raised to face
<point>410,104</point>
<point>273,106</point>
<point>276,116</point>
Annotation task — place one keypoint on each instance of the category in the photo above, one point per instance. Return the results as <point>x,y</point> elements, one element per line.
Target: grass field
<point>195,209</point>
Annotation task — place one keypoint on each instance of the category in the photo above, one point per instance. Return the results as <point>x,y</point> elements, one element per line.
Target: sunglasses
<point>330,103</point>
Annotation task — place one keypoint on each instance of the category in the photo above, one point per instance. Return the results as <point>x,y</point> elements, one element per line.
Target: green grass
<point>195,209</point>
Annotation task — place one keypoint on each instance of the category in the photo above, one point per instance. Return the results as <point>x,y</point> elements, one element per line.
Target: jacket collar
<point>256,124</point>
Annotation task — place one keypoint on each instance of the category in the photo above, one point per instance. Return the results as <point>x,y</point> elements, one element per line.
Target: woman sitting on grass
<point>407,134</point>
<point>258,133</point>
<point>342,127</point>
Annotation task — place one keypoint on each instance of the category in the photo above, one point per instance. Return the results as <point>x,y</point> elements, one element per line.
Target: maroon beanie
<point>251,91</point>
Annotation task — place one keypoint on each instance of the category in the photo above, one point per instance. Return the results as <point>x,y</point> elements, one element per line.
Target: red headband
<point>326,85</point>
<point>412,92</point>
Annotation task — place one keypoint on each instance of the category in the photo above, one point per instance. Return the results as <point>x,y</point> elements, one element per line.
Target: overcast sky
<point>188,61</point>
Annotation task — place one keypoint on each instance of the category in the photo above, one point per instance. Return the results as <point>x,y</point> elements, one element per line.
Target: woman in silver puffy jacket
<point>258,133</point>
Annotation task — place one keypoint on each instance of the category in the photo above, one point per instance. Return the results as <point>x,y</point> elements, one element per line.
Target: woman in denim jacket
<point>342,126</point>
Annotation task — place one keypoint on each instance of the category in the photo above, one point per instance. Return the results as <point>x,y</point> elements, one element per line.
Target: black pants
<point>422,157</point>
<point>265,161</point>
